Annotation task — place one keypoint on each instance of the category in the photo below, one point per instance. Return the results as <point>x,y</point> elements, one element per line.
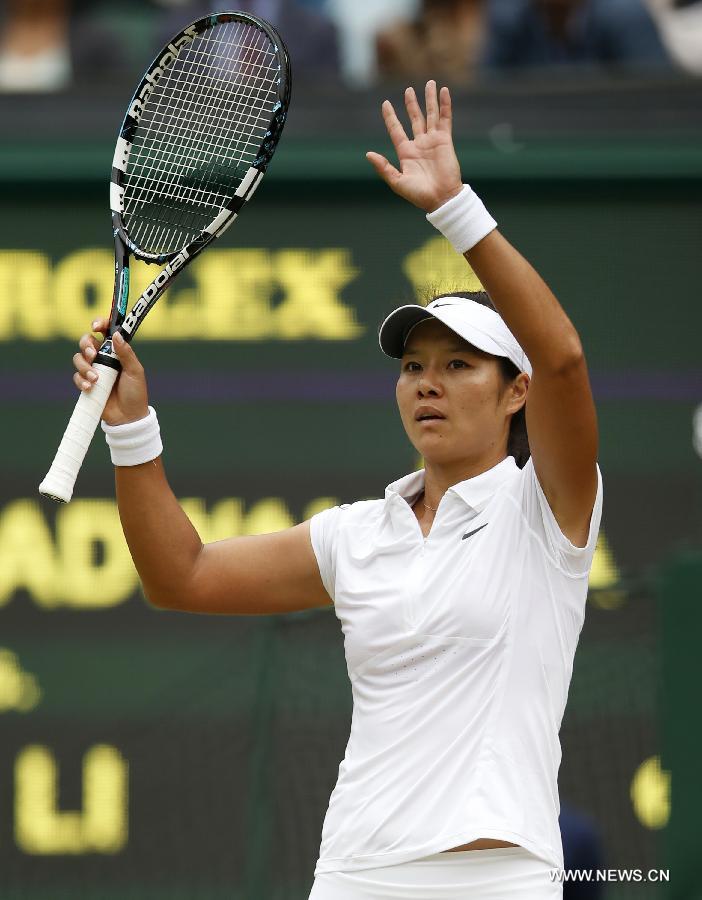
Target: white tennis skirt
<point>502,873</point>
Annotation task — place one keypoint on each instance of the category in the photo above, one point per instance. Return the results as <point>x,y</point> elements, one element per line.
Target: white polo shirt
<point>459,648</point>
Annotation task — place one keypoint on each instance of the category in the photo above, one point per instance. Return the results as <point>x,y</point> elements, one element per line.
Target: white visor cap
<point>479,325</point>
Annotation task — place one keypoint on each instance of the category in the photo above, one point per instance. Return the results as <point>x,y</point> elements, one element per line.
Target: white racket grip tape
<point>76,439</point>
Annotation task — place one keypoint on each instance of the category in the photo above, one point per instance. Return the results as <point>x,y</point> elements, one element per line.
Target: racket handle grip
<point>76,439</point>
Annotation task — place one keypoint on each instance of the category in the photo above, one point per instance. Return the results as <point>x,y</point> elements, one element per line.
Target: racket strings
<point>207,138</point>
<point>201,129</point>
<point>195,137</point>
<point>198,101</point>
<point>240,97</point>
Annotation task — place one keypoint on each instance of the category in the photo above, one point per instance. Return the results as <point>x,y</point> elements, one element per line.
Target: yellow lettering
<point>604,577</point>
<point>230,298</point>
<point>83,285</point>
<point>436,268</point>
<point>235,289</point>
<point>171,317</point>
<point>312,281</point>
<point>650,793</point>
<point>87,564</point>
<point>102,826</point>
<point>268,515</point>
<point>318,505</point>
<point>27,557</point>
<point>84,528</point>
<point>225,295</point>
<point>105,799</point>
<point>223,522</point>
<point>227,518</point>
<point>25,284</point>
<point>18,689</point>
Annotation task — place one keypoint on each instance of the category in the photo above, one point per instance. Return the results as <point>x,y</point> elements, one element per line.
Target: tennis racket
<point>198,136</point>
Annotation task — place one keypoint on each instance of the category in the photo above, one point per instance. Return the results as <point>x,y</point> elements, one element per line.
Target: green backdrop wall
<point>150,754</point>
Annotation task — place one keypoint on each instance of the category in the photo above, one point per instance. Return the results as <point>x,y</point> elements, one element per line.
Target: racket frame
<point>59,481</point>
<point>172,263</point>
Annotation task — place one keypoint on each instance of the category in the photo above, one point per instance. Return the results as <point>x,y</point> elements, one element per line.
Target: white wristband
<point>463,220</point>
<point>134,443</point>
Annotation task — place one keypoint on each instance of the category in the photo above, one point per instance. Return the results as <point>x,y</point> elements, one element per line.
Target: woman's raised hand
<point>429,172</point>
<point>128,401</point>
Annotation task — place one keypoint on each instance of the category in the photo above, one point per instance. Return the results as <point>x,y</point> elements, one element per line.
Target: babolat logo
<point>150,79</point>
<point>142,303</point>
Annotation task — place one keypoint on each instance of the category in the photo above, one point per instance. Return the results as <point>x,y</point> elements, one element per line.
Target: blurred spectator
<point>358,22</point>
<point>680,24</point>
<point>444,41</point>
<point>319,5</point>
<point>582,850</point>
<point>542,33</point>
<point>48,45</point>
<point>309,36</point>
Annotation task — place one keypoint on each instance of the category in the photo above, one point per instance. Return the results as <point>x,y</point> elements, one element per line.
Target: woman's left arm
<point>560,411</point>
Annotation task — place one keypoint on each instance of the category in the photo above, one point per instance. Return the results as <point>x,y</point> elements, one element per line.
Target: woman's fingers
<point>445,111</point>
<point>383,167</point>
<point>89,346</point>
<point>432,105</point>
<point>85,376</point>
<point>81,383</point>
<point>416,116</point>
<point>438,114</point>
<point>83,366</point>
<point>392,123</point>
<point>100,325</point>
<point>127,357</point>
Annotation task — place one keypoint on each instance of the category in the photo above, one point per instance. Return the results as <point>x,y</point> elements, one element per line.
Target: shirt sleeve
<point>574,561</point>
<point>324,528</point>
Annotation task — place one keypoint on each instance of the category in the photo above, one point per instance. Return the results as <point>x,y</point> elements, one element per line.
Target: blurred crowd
<point>52,45</point>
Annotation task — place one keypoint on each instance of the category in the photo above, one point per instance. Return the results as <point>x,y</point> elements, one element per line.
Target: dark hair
<point>518,440</point>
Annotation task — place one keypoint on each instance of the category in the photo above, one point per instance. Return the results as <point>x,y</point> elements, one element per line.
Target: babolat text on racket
<point>198,136</point>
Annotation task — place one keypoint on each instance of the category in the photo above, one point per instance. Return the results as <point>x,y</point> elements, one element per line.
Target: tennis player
<point>461,593</point>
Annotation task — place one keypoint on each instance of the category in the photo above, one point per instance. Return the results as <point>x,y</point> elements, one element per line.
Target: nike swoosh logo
<point>471,533</point>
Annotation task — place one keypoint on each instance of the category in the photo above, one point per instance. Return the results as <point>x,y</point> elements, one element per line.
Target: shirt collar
<point>475,492</point>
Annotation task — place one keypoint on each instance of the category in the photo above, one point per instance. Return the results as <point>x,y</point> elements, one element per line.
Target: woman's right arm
<point>251,575</point>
